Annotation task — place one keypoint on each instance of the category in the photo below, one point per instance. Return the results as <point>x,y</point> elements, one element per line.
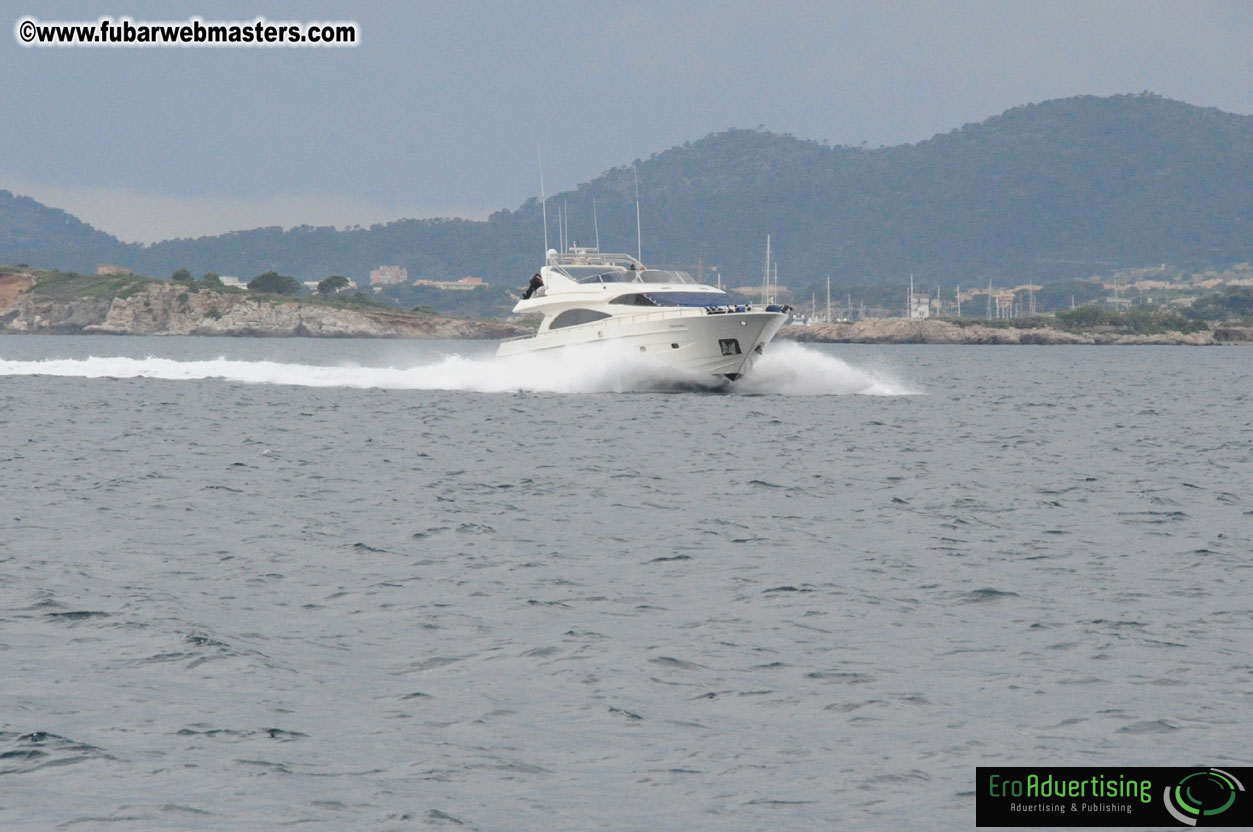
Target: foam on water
<point>788,369</point>
<point>791,369</point>
<point>230,605</point>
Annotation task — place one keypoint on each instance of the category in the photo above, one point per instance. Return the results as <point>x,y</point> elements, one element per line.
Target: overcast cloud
<point>440,109</point>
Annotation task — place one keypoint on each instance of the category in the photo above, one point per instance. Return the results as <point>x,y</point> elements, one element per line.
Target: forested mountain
<point>1061,189</point>
<point>36,234</point>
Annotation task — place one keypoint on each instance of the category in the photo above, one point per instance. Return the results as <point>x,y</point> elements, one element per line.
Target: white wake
<point>786,369</point>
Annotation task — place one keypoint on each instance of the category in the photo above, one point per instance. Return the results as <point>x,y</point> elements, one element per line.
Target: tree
<point>1060,295</point>
<point>1082,317</point>
<point>212,280</point>
<point>182,276</point>
<point>278,284</point>
<point>333,285</point>
<point>1236,301</point>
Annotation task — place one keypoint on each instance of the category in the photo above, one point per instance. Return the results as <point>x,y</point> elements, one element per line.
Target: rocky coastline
<point>153,307</point>
<point>166,308</point>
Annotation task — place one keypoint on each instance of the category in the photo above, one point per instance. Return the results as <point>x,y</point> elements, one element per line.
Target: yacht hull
<point>726,344</point>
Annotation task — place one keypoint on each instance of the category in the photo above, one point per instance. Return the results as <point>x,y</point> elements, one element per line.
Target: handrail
<point>591,258</point>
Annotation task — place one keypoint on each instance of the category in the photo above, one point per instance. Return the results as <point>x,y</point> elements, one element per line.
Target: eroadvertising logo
<point>1112,796</point>
<point>1203,795</point>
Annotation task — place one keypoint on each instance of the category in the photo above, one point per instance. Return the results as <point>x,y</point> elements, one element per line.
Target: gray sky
<point>440,109</point>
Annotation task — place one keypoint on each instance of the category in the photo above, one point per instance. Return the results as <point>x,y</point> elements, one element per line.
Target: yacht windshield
<point>597,274</point>
<point>664,276</point>
<point>674,299</point>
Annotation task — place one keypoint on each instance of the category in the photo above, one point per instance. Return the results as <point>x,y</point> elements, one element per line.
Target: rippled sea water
<point>247,584</point>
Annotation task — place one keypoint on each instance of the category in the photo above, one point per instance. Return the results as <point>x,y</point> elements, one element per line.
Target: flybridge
<point>587,256</point>
<point>590,265</point>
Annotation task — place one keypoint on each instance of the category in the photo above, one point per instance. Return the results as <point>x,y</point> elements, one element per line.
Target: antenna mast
<point>765,282</point>
<point>595,224</point>
<point>543,200</point>
<point>639,244</point>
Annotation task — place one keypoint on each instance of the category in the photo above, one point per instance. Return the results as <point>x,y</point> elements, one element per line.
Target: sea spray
<point>790,369</point>
<point>787,369</point>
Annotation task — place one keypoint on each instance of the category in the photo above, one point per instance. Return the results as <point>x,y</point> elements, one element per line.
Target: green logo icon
<point>1202,794</point>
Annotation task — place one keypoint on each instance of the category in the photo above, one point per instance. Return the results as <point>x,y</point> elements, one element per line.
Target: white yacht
<point>587,297</point>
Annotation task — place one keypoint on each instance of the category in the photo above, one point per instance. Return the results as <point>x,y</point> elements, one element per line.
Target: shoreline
<point>933,331</point>
<point>142,306</point>
<point>158,308</point>
<point>438,328</point>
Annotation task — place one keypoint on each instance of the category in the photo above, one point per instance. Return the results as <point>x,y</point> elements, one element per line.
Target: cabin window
<point>597,274</point>
<point>674,299</point>
<point>574,317</point>
<point>633,300</point>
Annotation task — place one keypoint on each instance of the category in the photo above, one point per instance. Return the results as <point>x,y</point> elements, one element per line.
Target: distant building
<point>104,268</point>
<point>389,275</point>
<point>1150,285</point>
<point>1004,301</point>
<point>232,282</point>
<point>757,291</point>
<point>465,284</point>
<point>920,306</point>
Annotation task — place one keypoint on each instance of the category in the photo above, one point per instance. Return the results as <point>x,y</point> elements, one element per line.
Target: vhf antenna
<point>639,245</point>
<point>595,224</point>
<point>543,200</point>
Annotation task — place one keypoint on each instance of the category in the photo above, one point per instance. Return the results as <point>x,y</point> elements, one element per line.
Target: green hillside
<point>1050,191</point>
<point>41,236</point>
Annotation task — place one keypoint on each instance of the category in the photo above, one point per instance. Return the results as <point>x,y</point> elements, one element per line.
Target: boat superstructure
<point>587,296</point>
